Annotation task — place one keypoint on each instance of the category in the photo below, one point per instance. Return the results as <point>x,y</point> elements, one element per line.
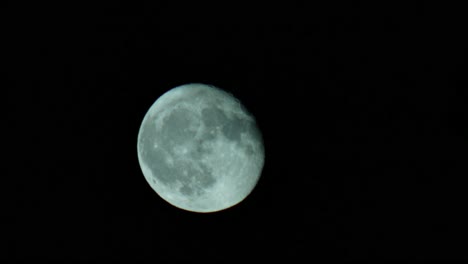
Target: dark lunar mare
<point>232,128</point>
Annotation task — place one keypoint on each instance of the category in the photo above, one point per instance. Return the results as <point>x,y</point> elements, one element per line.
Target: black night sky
<point>361,110</point>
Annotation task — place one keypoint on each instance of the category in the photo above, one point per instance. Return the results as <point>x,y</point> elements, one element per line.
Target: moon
<point>200,149</point>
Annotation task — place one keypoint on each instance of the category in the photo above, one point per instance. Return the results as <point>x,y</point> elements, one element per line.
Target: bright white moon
<point>200,149</point>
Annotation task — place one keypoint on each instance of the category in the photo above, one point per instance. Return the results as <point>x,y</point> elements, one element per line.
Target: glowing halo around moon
<point>200,149</point>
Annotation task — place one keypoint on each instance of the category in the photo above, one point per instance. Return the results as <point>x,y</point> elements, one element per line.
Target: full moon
<point>200,149</point>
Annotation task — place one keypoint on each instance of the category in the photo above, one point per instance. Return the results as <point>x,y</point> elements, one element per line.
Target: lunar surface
<point>200,149</point>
